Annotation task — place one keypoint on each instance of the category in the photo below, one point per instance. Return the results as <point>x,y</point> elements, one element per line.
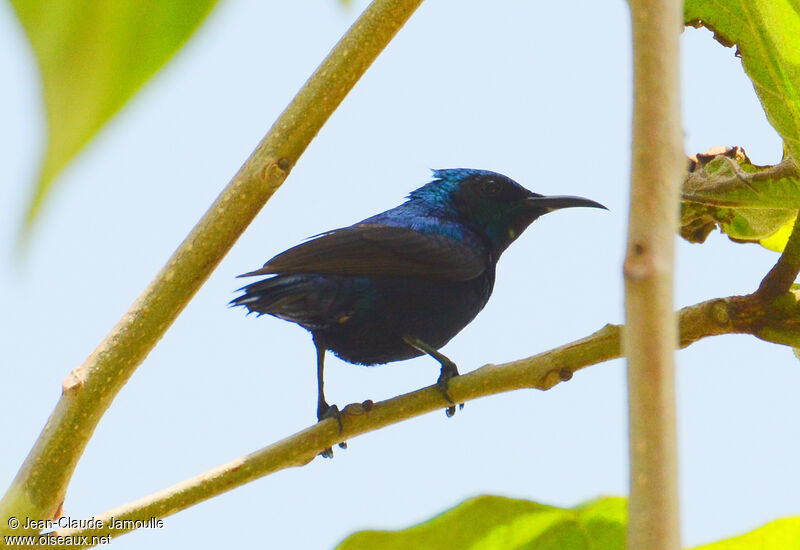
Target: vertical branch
<point>651,336</point>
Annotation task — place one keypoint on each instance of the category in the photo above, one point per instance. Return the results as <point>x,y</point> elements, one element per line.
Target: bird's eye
<point>491,187</point>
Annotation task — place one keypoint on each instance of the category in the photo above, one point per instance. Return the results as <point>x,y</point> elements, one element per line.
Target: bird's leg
<point>325,411</point>
<point>449,369</point>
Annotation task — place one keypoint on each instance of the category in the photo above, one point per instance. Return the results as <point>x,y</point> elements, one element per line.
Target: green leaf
<point>783,534</point>
<point>777,241</point>
<point>767,36</point>
<point>488,522</point>
<point>747,202</point>
<point>93,56</point>
<point>498,523</point>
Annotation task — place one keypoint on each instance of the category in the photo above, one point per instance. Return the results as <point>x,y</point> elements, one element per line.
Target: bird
<point>402,283</point>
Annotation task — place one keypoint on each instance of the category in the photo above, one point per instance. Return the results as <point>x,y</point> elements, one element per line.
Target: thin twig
<point>40,485</point>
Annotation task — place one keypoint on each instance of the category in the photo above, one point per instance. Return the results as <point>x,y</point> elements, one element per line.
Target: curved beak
<point>556,202</point>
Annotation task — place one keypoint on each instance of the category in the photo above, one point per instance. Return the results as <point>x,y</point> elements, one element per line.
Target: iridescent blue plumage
<point>402,283</point>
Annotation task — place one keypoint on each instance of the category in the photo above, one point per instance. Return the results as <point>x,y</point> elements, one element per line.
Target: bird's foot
<point>324,412</point>
<point>449,370</point>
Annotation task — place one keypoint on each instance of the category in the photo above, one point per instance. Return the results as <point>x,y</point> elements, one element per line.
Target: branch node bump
<point>638,262</point>
<point>73,380</point>
<point>719,313</point>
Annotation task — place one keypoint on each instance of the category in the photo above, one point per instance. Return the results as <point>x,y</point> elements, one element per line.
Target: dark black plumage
<point>403,282</point>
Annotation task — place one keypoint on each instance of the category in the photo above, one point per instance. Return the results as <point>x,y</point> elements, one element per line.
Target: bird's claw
<point>324,412</point>
<point>327,453</point>
<point>449,370</point>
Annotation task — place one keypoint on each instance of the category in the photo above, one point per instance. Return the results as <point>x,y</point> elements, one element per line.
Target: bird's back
<point>365,288</point>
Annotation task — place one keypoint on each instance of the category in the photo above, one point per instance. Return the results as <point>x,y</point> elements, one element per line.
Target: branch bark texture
<point>651,331</point>
<point>40,486</point>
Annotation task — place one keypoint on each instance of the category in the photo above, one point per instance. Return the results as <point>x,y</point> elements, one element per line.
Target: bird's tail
<point>268,296</point>
<point>306,299</point>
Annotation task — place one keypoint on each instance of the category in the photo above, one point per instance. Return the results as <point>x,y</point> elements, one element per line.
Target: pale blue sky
<point>538,91</point>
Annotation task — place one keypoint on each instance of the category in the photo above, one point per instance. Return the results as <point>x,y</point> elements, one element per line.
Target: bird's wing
<point>371,249</point>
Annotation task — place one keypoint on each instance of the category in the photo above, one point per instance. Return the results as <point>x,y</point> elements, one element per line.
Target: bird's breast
<point>388,309</point>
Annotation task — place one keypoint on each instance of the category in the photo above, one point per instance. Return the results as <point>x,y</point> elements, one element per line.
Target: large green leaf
<point>747,202</point>
<point>783,534</point>
<point>487,523</point>
<point>767,36</point>
<point>93,56</point>
<point>497,523</point>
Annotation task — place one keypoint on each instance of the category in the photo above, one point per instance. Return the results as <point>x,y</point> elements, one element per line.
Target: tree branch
<point>736,314</point>
<point>651,333</point>
<point>40,485</point>
<point>780,278</point>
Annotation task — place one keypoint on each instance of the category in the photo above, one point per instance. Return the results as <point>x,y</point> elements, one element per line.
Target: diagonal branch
<point>737,314</point>
<point>40,485</point>
<point>780,278</point>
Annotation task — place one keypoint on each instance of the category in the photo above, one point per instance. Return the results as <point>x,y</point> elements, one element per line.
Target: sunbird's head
<point>492,203</point>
